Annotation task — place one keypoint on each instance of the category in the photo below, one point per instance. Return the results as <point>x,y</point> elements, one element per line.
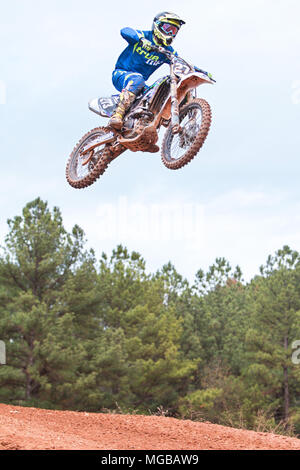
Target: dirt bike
<point>170,102</point>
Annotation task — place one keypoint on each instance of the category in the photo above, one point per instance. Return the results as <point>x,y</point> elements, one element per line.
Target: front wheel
<point>179,149</point>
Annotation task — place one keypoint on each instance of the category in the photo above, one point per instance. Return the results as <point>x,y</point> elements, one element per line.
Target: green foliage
<point>39,264</point>
<point>275,325</point>
<point>105,336</point>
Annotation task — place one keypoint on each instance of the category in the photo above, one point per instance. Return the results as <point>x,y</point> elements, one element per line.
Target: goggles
<point>169,29</point>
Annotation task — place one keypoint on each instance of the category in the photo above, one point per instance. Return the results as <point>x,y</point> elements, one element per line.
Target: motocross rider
<point>137,62</point>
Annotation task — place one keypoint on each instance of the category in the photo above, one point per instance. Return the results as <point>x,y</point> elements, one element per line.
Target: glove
<point>146,44</point>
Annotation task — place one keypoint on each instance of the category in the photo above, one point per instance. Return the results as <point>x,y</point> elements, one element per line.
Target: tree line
<point>105,335</point>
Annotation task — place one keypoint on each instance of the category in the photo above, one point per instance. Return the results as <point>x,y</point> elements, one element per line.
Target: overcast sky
<point>239,198</point>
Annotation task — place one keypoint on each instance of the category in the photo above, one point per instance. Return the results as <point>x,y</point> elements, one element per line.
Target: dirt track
<point>30,428</point>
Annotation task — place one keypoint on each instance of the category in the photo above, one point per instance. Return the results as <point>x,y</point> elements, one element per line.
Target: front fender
<point>187,83</point>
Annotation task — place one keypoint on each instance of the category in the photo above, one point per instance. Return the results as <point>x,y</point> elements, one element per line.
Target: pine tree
<point>276,324</point>
<point>135,303</point>
<point>41,331</point>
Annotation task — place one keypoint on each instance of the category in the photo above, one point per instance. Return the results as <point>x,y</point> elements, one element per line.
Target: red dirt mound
<point>32,429</point>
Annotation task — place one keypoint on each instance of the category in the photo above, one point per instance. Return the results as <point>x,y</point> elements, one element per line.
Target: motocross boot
<point>125,101</point>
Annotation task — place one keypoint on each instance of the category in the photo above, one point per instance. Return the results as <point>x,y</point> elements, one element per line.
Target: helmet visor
<point>169,29</point>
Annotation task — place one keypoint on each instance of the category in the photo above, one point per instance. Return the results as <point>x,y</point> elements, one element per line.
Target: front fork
<point>174,104</point>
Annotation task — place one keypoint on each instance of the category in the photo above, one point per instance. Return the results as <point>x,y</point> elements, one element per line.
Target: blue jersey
<point>136,59</point>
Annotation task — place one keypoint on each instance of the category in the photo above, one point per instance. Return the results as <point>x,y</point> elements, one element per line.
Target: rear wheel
<point>83,169</point>
<point>179,149</point>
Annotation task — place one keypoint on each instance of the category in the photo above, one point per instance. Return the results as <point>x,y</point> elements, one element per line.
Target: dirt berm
<point>31,429</point>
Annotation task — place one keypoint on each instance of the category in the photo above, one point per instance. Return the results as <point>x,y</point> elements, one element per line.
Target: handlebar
<point>162,50</point>
<point>172,57</point>
<point>169,54</point>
